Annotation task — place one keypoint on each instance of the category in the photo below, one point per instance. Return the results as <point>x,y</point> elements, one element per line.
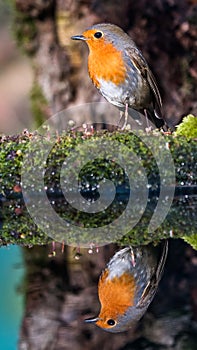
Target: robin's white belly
<point>118,95</point>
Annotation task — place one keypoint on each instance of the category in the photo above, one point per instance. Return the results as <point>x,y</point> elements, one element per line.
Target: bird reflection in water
<point>127,286</point>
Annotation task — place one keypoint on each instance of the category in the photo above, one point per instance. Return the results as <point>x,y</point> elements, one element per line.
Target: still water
<point>58,291</point>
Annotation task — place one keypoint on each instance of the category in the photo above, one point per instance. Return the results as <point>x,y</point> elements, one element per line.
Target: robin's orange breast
<point>106,63</point>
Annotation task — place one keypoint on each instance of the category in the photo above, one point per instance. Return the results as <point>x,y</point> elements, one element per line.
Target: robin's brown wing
<point>140,63</point>
<point>151,287</point>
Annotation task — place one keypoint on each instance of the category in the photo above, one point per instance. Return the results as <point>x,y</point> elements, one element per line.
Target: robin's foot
<point>148,129</point>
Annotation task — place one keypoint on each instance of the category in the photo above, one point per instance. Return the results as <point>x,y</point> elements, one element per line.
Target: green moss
<point>192,240</point>
<point>38,104</point>
<point>188,127</point>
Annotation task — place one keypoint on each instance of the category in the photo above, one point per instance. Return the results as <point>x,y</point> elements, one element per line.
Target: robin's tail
<point>158,121</point>
<point>162,260</point>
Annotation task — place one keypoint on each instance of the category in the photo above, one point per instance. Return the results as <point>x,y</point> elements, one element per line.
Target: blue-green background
<point>11,301</point>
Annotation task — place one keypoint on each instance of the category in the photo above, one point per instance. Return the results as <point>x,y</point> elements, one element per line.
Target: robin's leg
<point>148,128</point>
<point>121,115</point>
<point>133,262</point>
<point>125,114</point>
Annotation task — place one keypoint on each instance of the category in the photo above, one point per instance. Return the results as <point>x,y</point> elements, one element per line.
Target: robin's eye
<point>111,322</point>
<point>98,35</point>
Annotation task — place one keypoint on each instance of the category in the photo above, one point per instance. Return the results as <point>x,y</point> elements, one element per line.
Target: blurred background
<point>16,77</point>
<point>46,293</point>
<point>43,71</point>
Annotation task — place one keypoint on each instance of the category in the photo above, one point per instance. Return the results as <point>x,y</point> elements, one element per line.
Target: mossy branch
<point>19,228</point>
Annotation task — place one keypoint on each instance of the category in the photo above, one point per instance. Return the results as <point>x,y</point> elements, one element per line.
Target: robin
<point>120,72</point>
<point>127,286</point>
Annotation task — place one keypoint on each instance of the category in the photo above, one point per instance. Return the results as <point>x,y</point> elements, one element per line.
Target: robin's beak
<point>78,37</point>
<point>91,320</point>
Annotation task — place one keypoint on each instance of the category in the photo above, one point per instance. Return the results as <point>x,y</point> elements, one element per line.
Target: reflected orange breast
<point>117,294</point>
